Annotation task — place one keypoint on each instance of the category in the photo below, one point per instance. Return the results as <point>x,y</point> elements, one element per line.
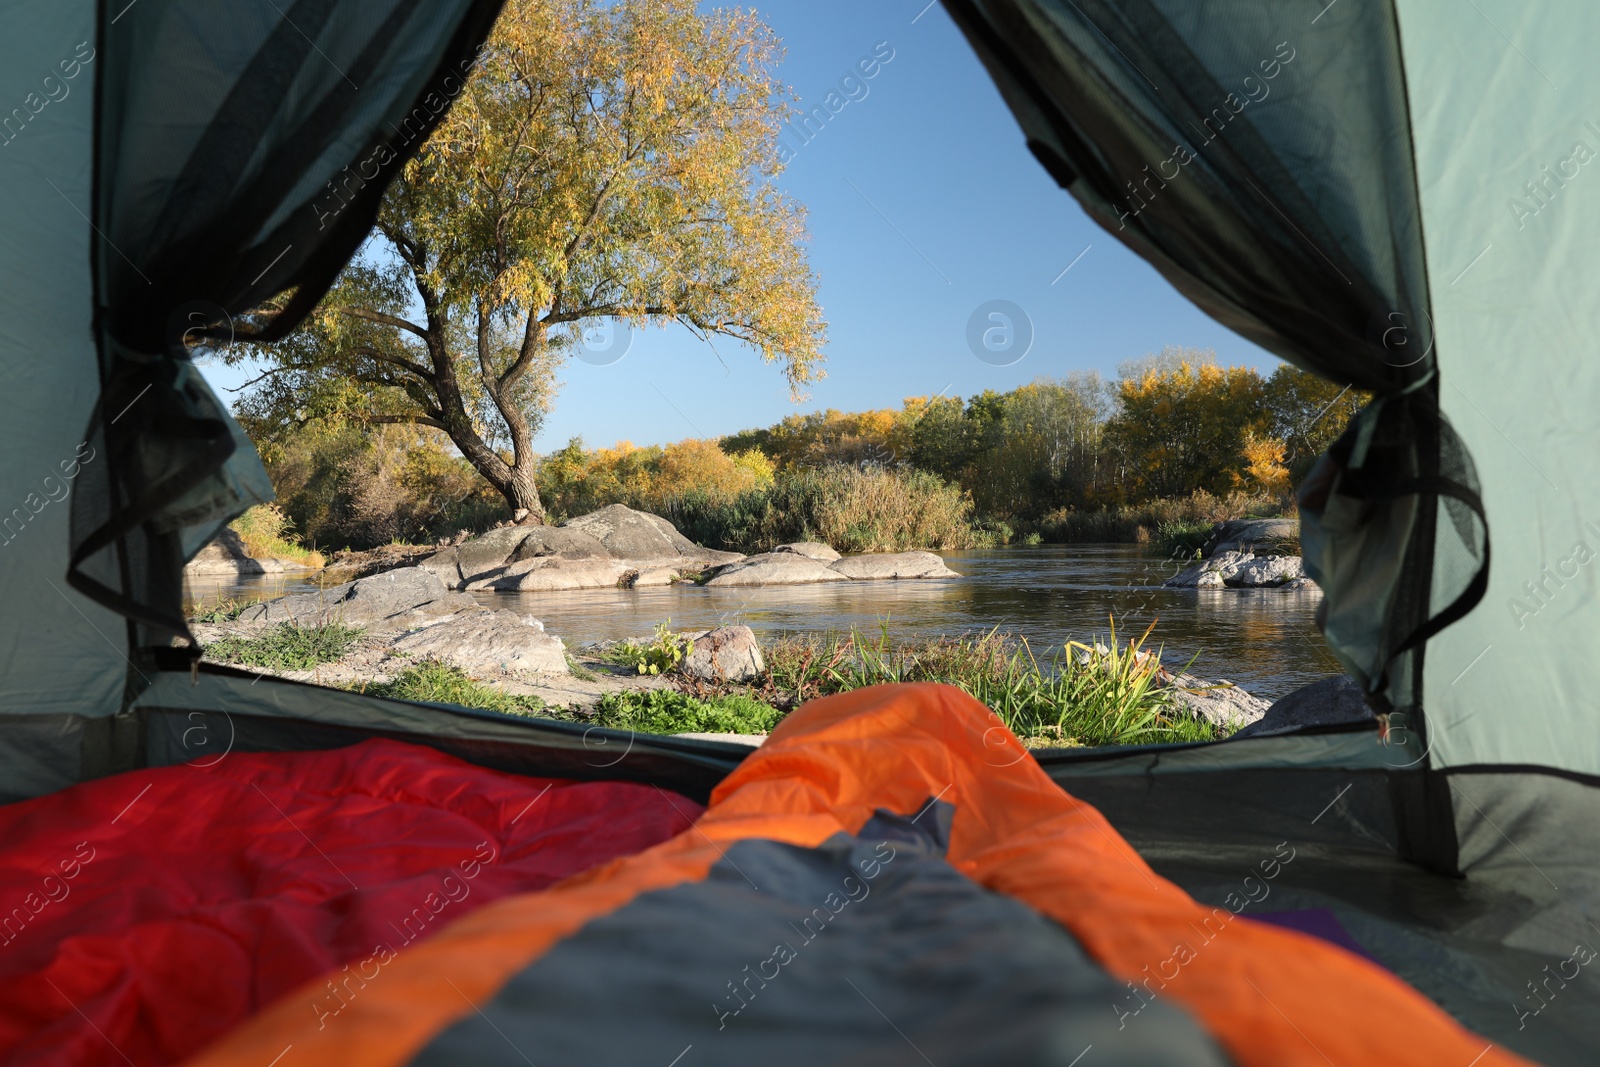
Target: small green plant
<point>225,610</point>
<point>287,647</point>
<point>435,682</point>
<point>661,656</point>
<point>667,711</point>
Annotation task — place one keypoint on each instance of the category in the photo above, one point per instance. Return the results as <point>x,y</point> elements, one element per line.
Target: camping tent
<point>1385,193</point>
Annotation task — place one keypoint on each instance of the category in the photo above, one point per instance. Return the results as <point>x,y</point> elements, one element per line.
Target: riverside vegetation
<point>1074,695</point>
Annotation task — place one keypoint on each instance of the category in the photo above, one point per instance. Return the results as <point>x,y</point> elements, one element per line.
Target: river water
<point>1263,640</point>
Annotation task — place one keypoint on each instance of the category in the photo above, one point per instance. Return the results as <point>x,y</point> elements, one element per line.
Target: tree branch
<point>385,320</point>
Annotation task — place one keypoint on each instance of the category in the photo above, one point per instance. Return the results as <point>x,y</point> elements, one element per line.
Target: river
<point>1263,640</point>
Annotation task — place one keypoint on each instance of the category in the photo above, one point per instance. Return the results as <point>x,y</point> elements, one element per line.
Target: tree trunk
<point>522,493</point>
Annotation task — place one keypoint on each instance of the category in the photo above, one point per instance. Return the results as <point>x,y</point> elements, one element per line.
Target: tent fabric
<point>1262,993</point>
<point>148,913</point>
<point>1262,160</point>
<point>60,652</point>
<point>1490,947</point>
<point>239,155</point>
<point>1507,133</point>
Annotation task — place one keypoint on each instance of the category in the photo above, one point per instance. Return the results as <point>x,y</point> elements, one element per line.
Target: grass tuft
<point>435,682</point>
<point>287,647</point>
<point>667,711</point>
<point>267,533</point>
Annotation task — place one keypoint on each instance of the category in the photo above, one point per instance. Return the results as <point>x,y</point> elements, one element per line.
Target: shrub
<point>267,533</point>
<point>876,509</point>
<point>667,711</point>
<point>661,656</point>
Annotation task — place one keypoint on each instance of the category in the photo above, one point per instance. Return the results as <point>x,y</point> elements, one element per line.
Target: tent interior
<point>1399,219</point>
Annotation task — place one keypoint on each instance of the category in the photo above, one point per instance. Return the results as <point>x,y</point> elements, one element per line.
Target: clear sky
<point>924,203</point>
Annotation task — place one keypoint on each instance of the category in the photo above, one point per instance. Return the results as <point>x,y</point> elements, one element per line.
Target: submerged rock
<point>483,642</point>
<point>726,654</point>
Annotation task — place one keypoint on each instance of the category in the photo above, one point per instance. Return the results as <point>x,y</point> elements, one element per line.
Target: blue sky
<point>924,203</point>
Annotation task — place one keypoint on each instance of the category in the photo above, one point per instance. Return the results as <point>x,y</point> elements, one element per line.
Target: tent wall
<point>1505,94</point>
<point>59,652</point>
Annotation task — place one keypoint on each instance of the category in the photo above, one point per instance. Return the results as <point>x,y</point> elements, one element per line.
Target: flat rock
<point>1219,703</point>
<point>386,598</point>
<point>726,654</point>
<point>884,565</point>
<point>552,573</point>
<point>775,568</point>
<point>1333,700</point>
<point>752,740</point>
<point>485,642</point>
<point>810,550</point>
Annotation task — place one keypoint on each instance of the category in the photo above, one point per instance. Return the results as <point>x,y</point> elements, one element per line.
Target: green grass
<point>1181,538</point>
<point>1080,696</point>
<point>225,610</point>
<point>434,682</point>
<point>287,647</point>
<point>667,711</point>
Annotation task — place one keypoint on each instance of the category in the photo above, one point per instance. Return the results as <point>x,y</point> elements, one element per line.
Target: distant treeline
<point>1175,439</point>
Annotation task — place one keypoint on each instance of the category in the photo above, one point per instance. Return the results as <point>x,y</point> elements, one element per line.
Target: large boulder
<point>726,654</point>
<point>615,533</point>
<point>893,565</point>
<point>775,568</point>
<point>1333,700</point>
<point>629,534</point>
<point>483,643</point>
<point>1260,537</point>
<point>1219,703</point>
<point>382,601</point>
<point>810,550</point>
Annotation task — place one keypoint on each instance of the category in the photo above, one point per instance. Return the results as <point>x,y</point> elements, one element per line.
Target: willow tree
<point>603,161</point>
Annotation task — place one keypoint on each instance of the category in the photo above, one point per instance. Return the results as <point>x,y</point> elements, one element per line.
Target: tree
<point>1186,429</point>
<point>605,160</point>
<point>1308,414</point>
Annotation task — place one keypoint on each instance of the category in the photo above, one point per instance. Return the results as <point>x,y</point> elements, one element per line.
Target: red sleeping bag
<point>144,915</point>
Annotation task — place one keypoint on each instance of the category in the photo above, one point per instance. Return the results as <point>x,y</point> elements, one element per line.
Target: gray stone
<point>629,534</point>
<point>1224,565</point>
<point>810,550</point>
<point>1333,700</point>
<point>563,541</point>
<point>1219,703</point>
<point>775,568</point>
<point>489,551</point>
<point>726,654</point>
<point>1265,571</point>
<point>486,642</point>
<point>368,602</point>
<point>882,565</point>
<point>1303,582</point>
<point>552,573</point>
